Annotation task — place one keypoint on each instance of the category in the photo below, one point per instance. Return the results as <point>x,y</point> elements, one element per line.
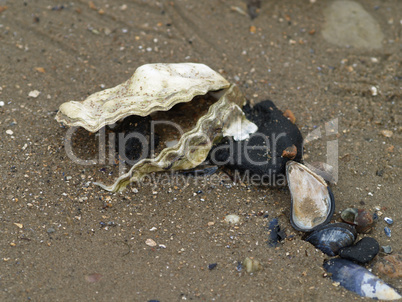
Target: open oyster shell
<point>153,87</point>
<point>159,87</point>
<point>313,203</point>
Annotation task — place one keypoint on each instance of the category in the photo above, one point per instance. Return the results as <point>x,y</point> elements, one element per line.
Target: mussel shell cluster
<point>338,239</point>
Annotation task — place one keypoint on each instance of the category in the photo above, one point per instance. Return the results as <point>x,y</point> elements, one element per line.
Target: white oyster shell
<point>158,87</point>
<point>312,202</point>
<point>153,87</point>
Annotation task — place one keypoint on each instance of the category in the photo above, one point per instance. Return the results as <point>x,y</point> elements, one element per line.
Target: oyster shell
<point>312,201</point>
<point>158,87</point>
<point>153,87</point>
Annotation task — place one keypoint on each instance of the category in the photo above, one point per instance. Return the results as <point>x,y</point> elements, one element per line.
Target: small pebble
<point>212,266</point>
<point>232,218</point>
<point>150,242</point>
<point>251,265</point>
<point>362,252</point>
<point>107,31</point>
<point>388,220</point>
<point>387,249</point>
<point>34,93</point>
<point>373,90</point>
<point>1,104</point>
<point>387,231</point>
<point>51,230</point>
<point>9,132</point>
<point>387,133</point>
<point>93,278</point>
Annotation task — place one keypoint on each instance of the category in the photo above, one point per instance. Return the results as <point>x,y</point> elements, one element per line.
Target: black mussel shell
<point>331,238</point>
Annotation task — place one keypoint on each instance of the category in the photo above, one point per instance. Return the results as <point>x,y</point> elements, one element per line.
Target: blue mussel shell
<point>332,237</point>
<point>359,280</point>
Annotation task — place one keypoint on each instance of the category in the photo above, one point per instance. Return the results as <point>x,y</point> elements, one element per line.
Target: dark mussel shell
<point>360,218</point>
<point>276,234</point>
<point>355,278</point>
<point>331,238</point>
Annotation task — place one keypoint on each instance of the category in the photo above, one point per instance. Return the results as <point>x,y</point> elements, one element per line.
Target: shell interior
<point>312,201</point>
<point>194,145</point>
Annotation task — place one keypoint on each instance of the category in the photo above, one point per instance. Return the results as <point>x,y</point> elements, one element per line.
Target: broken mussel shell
<point>333,237</point>
<point>313,203</point>
<point>357,279</point>
<point>360,218</point>
<point>275,232</point>
<point>155,90</point>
